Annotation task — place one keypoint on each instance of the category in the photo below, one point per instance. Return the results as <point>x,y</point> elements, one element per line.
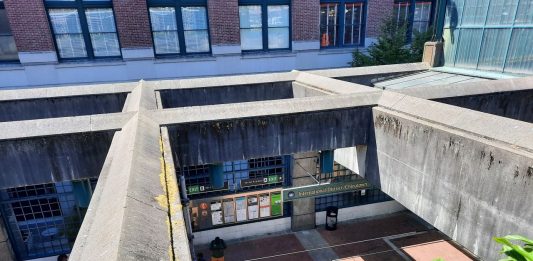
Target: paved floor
<point>399,237</point>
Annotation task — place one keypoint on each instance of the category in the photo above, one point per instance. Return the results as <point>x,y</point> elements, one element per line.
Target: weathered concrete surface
<point>204,82</point>
<point>18,110</point>
<point>469,174</point>
<point>175,98</point>
<point>246,138</point>
<point>331,86</point>
<point>135,212</point>
<point>509,98</point>
<point>52,159</point>
<point>303,165</point>
<point>367,75</point>
<point>63,126</point>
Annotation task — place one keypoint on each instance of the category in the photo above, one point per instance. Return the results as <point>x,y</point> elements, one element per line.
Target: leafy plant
<point>516,252</point>
<point>392,47</point>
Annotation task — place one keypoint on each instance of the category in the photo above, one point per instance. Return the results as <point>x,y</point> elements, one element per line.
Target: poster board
<point>275,204</point>
<point>216,213</point>
<point>264,205</point>
<point>228,207</point>
<point>240,206</point>
<point>253,207</point>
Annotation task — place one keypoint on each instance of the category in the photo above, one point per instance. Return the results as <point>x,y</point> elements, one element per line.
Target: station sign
<point>272,179</point>
<point>197,189</point>
<point>324,189</point>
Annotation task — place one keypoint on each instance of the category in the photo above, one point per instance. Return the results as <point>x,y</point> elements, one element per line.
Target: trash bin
<point>331,218</point>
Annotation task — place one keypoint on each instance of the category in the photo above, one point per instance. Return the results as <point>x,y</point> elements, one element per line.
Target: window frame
<point>2,6</point>
<point>341,11</point>
<point>264,23</point>
<point>411,14</point>
<point>81,6</point>
<point>177,5</point>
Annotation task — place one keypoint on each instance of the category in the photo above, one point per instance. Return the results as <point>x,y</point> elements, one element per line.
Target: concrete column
<point>361,159</point>
<point>6,251</point>
<point>303,210</point>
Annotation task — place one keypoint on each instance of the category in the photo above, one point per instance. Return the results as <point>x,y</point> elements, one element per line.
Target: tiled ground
<point>363,240</point>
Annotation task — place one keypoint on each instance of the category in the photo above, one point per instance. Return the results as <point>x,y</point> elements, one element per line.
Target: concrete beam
<point>65,91</point>
<point>205,82</point>
<point>331,86</point>
<point>61,126</point>
<point>264,108</point>
<point>458,169</point>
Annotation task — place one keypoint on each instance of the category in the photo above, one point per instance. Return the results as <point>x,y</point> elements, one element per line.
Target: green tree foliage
<point>516,252</point>
<point>391,47</point>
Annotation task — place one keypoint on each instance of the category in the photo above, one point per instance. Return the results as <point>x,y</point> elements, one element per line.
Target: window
<point>416,15</point>
<point>8,49</point>
<point>342,23</point>
<point>83,28</point>
<point>490,35</point>
<point>264,26</point>
<point>178,27</point>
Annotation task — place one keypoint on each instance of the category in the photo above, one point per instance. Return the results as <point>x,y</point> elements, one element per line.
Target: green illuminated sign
<point>324,189</point>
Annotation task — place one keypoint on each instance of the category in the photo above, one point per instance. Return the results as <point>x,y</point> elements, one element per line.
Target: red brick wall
<point>133,24</point>
<point>305,20</point>
<point>378,10</point>
<point>29,24</point>
<point>224,22</point>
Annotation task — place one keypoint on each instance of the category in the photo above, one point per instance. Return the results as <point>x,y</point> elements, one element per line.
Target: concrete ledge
<point>218,81</point>
<point>137,53</point>
<point>226,49</point>
<point>265,108</point>
<point>332,86</point>
<point>305,45</point>
<point>29,58</point>
<point>371,70</point>
<point>60,126</point>
<point>65,91</point>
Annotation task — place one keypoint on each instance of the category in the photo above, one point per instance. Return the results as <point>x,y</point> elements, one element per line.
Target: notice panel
<point>240,206</point>
<point>253,207</point>
<point>275,203</point>
<point>264,205</point>
<point>229,210</point>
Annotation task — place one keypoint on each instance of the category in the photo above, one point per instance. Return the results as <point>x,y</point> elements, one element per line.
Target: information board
<point>240,206</point>
<point>275,203</point>
<point>264,205</point>
<point>229,210</point>
<point>253,207</point>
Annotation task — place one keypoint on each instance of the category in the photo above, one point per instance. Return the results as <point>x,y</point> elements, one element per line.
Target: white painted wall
<point>134,67</point>
<point>284,224</point>
<point>243,231</point>
<point>376,209</point>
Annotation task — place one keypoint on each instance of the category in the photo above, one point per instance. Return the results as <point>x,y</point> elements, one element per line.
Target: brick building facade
<point>86,41</point>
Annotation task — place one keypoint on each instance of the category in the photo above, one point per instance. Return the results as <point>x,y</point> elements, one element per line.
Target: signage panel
<point>261,181</point>
<point>324,189</point>
<point>197,189</point>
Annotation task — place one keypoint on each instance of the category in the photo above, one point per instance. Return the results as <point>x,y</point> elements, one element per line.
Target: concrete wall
<point>226,94</point>
<point>18,110</point>
<point>52,159</point>
<point>516,105</point>
<point>208,142</point>
<point>469,174</point>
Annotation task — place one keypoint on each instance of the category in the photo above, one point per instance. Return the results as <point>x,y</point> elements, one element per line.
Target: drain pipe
<point>186,214</point>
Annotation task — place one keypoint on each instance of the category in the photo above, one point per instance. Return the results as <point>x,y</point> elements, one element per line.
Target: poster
<point>240,206</point>
<point>229,210</point>
<point>264,205</point>
<point>216,213</point>
<point>194,217</point>
<point>275,203</point>
<point>204,215</point>
<point>253,207</point>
